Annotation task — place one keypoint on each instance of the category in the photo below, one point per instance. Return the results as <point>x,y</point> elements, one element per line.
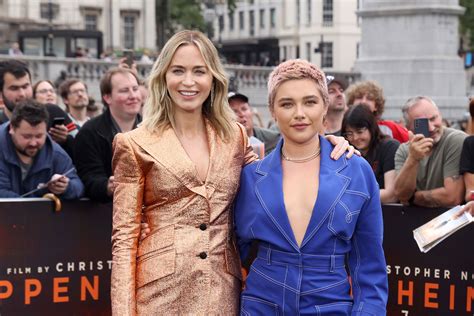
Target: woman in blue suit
<point>311,214</point>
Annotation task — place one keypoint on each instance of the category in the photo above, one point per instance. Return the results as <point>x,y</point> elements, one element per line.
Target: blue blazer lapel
<point>269,191</point>
<point>332,185</point>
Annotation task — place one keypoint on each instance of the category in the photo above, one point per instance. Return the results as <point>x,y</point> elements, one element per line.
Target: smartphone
<point>128,54</point>
<point>422,127</point>
<point>58,121</point>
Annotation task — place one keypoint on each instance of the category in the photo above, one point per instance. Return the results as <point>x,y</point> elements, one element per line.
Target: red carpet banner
<point>54,263</point>
<point>59,263</point>
<point>439,282</point>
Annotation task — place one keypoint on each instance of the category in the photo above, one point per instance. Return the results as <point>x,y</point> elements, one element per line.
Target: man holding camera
<point>427,166</point>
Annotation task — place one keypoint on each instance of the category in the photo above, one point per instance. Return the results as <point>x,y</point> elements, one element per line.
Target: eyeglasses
<point>78,91</point>
<point>358,132</point>
<point>44,91</point>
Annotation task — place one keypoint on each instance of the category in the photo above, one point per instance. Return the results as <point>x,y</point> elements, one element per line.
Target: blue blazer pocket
<point>343,219</point>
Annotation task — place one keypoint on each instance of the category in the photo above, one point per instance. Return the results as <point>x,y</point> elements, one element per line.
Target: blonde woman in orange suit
<point>179,172</point>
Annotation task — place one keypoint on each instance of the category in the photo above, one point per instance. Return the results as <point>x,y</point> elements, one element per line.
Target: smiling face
<point>125,99</point>
<point>299,110</point>
<point>45,93</point>
<point>243,112</point>
<point>188,80</point>
<point>359,138</point>
<point>425,109</point>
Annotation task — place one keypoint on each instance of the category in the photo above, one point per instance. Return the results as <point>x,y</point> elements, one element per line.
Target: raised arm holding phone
<point>428,167</point>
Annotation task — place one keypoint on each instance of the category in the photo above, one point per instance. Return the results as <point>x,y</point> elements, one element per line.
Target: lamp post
<point>320,49</point>
<point>209,17</point>
<point>50,29</point>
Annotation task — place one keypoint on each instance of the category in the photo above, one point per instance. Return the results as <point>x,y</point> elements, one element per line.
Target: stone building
<point>264,32</point>
<point>123,23</point>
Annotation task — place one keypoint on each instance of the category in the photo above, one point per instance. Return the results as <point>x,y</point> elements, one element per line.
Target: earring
<point>212,96</point>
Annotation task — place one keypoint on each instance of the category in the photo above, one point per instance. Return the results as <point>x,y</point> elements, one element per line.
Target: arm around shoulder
<point>249,154</point>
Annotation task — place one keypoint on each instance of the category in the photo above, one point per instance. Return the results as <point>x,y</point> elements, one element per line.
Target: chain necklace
<point>301,160</point>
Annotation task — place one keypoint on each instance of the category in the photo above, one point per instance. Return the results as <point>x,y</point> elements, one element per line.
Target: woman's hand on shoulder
<point>341,146</point>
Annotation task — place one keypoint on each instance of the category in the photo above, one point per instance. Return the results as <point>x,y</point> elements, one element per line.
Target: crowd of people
<point>38,132</point>
<point>173,178</point>
<point>410,168</point>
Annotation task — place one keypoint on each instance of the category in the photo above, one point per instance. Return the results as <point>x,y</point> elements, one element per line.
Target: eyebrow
<point>195,67</point>
<point>20,85</point>
<point>283,99</point>
<point>311,97</point>
<point>308,97</point>
<point>128,87</point>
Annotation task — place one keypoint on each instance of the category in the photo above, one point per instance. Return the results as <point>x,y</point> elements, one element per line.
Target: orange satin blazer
<point>188,264</point>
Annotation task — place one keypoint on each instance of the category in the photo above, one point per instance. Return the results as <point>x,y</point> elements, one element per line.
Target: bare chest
<point>300,191</point>
<point>198,152</point>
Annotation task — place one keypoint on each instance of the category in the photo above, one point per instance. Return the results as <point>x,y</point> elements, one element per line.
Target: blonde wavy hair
<point>158,110</point>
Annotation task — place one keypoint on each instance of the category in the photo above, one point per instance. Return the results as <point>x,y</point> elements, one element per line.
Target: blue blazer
<point>346,228</point>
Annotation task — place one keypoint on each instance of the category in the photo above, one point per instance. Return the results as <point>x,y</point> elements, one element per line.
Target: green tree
<point>172,14</point>
<point>467,23</point>
<point>187,14</point>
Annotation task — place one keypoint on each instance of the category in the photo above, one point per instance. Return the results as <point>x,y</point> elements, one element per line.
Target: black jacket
<point>93,155</point>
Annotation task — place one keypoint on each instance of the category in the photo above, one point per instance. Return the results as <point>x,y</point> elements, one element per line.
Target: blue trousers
<point>283,283</point>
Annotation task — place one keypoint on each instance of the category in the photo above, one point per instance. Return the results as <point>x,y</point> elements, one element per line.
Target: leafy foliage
<point>467,22</point>
<point>187,14</point>
<point>172,15</point>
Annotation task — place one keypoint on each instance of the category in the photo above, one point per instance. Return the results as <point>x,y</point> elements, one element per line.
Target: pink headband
<point>295,69</point>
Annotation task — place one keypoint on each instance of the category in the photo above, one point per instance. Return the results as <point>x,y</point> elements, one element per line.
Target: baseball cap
<point>340,80</point>
<point>236,95</point>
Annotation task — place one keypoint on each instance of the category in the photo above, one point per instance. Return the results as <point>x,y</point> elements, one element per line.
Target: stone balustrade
<point>249,80</point>
<point>243,78</point>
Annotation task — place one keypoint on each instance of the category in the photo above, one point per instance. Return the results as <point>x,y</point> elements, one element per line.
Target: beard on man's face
<point>28,151</point>
<point>9,104</point>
